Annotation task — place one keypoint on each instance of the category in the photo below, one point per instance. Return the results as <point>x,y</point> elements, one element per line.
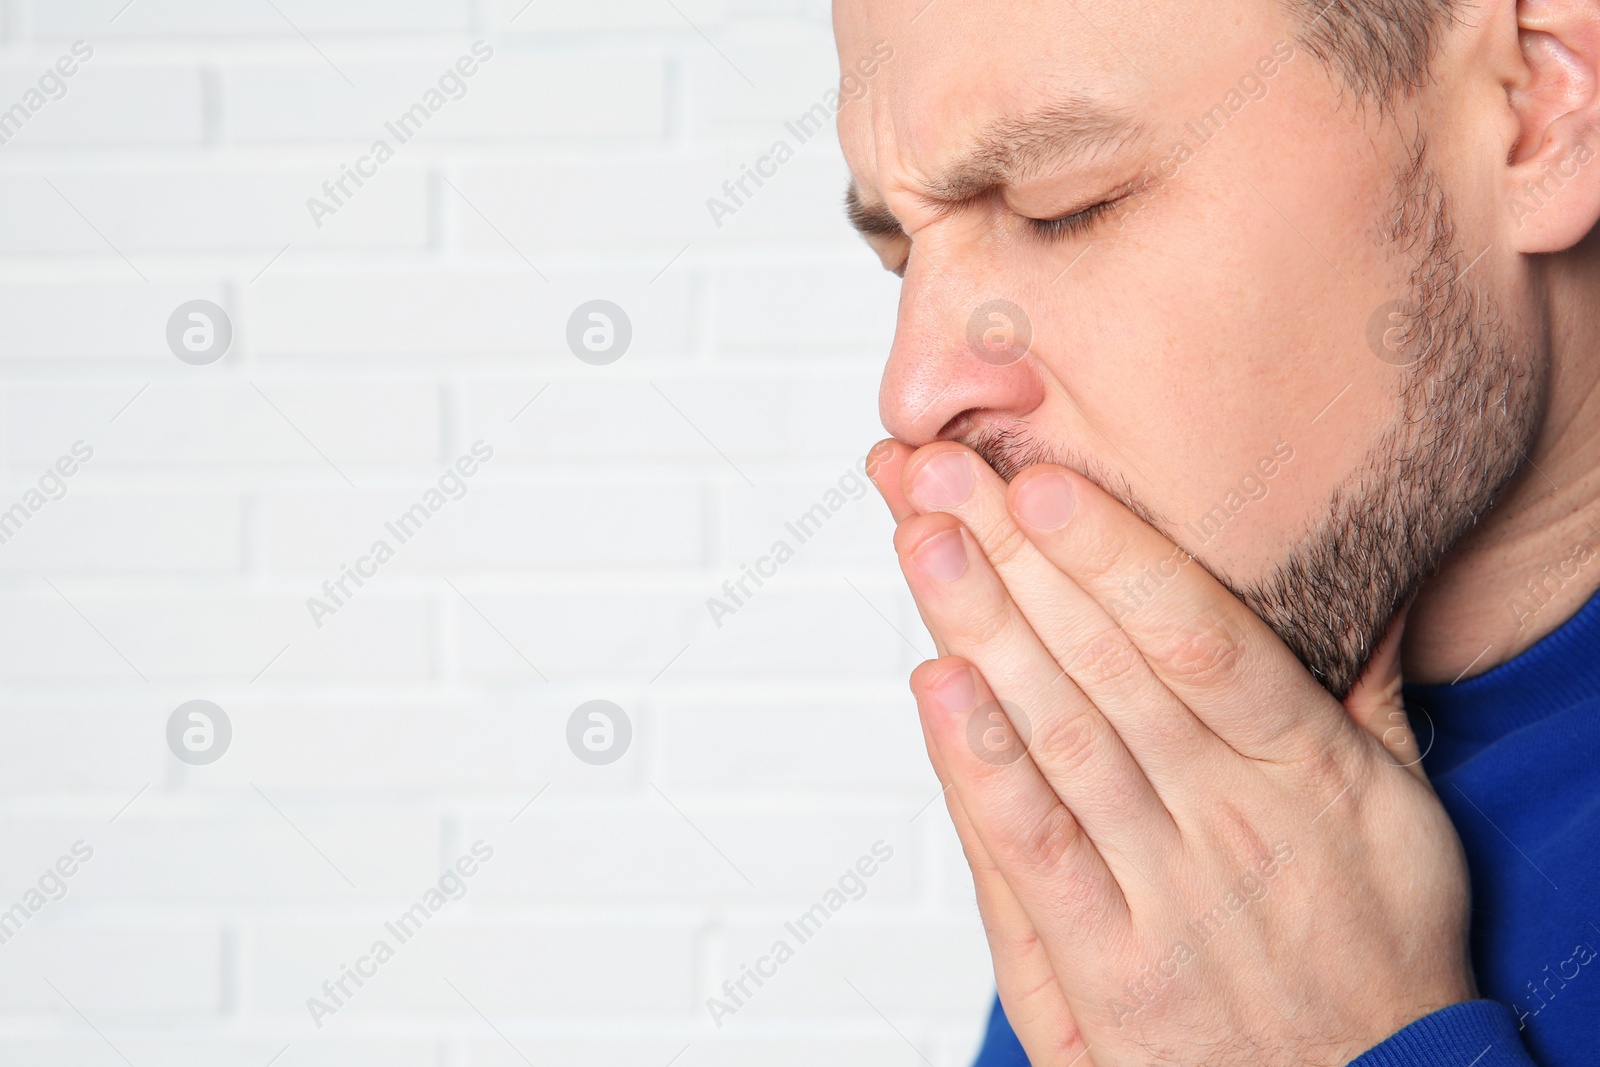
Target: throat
<point>1525,569</point>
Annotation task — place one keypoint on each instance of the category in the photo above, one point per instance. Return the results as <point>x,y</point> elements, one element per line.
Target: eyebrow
<point>1007,152</point>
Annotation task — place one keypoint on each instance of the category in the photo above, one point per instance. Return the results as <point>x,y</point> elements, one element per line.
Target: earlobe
<point>1552,178</point>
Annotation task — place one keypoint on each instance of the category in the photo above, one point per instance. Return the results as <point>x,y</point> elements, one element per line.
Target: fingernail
<point>944,481</point>
<point>1045,502</point>
<point>955,692</point>
<point>942,556</point>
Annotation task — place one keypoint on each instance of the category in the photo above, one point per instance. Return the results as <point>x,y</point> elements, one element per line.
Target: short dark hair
<point>1380,48</point>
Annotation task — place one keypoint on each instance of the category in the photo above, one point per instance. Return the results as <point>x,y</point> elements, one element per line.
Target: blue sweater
<point>1515,758</point>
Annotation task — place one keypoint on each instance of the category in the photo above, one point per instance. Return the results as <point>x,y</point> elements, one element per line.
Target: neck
<point>1534,559</point>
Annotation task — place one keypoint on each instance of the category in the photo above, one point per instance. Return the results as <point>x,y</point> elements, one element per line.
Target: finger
<point>1377,705</point>
<point>884,462</point>
<point>1079,753</point>
<point>1037,1011</point>
<point>1067,892</point>
<point>1204,644</point>
<point>1104,666</point>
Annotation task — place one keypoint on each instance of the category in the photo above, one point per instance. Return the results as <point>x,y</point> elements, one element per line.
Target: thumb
<point>1375,703</point>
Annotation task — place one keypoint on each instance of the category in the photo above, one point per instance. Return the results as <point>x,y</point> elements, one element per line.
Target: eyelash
<point>1059,229</point>
<point>1056,229</point>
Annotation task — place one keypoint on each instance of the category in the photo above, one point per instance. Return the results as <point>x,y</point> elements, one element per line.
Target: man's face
<point>1267,337</point>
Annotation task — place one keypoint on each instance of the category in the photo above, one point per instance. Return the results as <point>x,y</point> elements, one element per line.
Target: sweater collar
<point>1558,671</point>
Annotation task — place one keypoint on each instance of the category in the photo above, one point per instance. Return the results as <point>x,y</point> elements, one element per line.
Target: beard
<point>1471,399</point>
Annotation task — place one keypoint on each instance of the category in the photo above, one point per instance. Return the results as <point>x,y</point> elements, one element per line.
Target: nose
<point>958,349</point>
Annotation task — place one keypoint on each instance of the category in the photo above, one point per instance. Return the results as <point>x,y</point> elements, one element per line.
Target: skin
<point>1281,210</point>
<point>1169,751</point>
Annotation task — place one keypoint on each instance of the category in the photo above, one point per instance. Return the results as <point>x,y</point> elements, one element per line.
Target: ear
<point>1552,175</point>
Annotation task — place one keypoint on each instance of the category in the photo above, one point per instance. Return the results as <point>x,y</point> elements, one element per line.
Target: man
<point>1246,351</point>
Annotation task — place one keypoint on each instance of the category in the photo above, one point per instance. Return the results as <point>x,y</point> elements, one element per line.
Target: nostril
<point>958,427</point>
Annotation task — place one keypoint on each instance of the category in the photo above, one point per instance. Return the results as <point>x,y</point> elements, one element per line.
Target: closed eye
<point>1059,229</point>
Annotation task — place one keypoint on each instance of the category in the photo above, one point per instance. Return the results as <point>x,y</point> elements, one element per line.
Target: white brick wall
<point>430,711</point>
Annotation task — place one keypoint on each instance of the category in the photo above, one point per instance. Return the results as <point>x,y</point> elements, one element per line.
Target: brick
<point>778,743</point>
<point>214,421</point>
<point>542,16</point>
<point>104,105</point>
<point>818,12</point>
<point>570,636</point>
<point>912,969</point>
<point>832,521</point>
<point>495,312</point>
<point>552,970</point>
<point>141,213</point>
<point>655,853</point>
<point>828,420</point>
<point>787,1050</point>
<point>505,747</point>
<point>110,971</point>
<point>106,748</point>
<point>54,19</point>
<point>499,524</point>
<point>848,307</point>
<point>184,1050</point>
<point>797,68</point>
<point>640,636</point>
<point>788,633</point>
<point>254,854</point>
<point>95,317</point>
<point>216,639</point>
<point>86,530</point>
<point>658,202</point>
<point>585,93</point>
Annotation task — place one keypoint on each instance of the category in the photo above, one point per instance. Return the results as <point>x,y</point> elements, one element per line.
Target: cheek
<point>1202,363</point>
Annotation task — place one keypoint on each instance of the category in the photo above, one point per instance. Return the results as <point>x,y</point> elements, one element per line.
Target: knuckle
<point>1103,556</point>
<point>1007,544</point>
<point>1324,772</point>
<point>1065,745</point>
<point>1110,660</point>
<point>1037,1009</point>
<point>984,620</point>
<point>1080,899</point>
<point>1317,767</point>
<point>1045,843</point>
<point>1012,940</point>
<point>1170,732</point>
<point>1203,651</point>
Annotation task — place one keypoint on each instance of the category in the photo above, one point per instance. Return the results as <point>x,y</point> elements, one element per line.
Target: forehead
<point>961,66</point>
